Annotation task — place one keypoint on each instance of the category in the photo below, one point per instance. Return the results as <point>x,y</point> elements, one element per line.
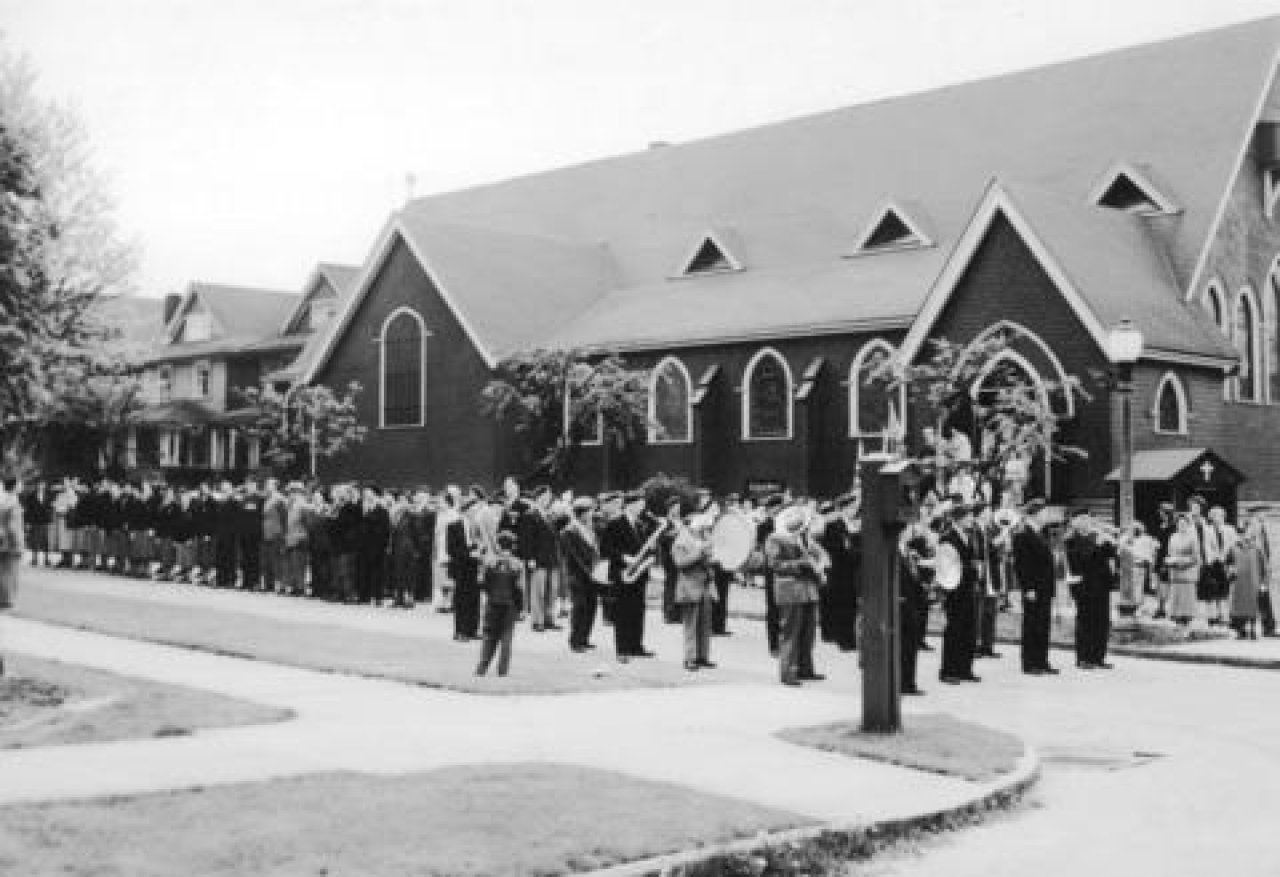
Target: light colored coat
<point>795,569</point>
<point>691,555</point>
<point>11,548</point>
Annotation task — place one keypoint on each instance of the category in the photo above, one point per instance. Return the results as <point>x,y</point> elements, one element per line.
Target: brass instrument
<point>639,563</point>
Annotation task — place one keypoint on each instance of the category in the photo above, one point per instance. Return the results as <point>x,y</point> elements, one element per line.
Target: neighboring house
<point>217,342</point>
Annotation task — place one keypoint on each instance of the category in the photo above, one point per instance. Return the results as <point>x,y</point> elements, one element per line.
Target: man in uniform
<point>842,539</point>
<point>580,549</point>
<point>624,539</point>
<point>959,639</point>
<point>1033,566</point>
<point>539,548</point>
<point>1091,561</point>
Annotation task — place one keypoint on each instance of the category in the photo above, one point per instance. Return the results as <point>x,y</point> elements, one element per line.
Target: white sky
<point>245,140</point>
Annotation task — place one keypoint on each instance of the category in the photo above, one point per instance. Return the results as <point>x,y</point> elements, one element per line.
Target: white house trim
<point>654,437</point>
<point>1164,204</point>
<point>1257,367</point>
<point>920,237</point>
<point>747,374</point>
<point>721,241</point>
<point>1245,139</point>
<point>382,368</point>
<point>855,389</point>
<point>996,201</point>
<point>1170,380</point>
<point>1017,331</point>
<point>392,231</point>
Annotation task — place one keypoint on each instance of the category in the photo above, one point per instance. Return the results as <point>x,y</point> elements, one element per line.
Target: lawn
<point>934,742</point>
<point>424,659</point>
<point>45,703</point>
<point>521,819</point>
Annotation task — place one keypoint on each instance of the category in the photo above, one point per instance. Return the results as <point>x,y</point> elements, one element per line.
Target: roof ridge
<point>1245,26</point>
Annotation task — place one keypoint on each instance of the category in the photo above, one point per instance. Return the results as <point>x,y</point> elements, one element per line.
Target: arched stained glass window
<point>403,369</point>
<point>1171,405</point>
<point>1246,339</point>
<point>670,413</point>
<point>768,397</point>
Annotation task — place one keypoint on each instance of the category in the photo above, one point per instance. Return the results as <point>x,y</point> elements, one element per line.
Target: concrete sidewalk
<point>715,739</point>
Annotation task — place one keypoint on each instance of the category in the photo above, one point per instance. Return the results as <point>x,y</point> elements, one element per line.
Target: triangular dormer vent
<point>892,229</point>
<point>1125,188</point>
<point>711,256</point>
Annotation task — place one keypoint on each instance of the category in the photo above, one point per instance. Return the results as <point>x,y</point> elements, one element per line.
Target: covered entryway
<point>1177,474</point>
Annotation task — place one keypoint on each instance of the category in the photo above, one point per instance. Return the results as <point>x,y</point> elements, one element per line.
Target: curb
<point>833,837</point>
<point>1152,654</point>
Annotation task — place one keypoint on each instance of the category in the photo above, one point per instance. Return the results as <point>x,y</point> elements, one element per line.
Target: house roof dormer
<point>893,227</point>
<point>1131,188</point>
<point>716,252</point>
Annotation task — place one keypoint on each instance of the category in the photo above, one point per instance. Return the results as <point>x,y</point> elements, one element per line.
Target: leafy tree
<point>1008,422</point>
<point>303,425</point>
<point>60,254</point>
<point>554,399</point>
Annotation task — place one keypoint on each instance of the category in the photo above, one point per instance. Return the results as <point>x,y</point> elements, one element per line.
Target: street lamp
<point>1124,345</point>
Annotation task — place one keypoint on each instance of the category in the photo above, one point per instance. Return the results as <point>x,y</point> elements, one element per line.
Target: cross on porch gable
<point>1206,469</point>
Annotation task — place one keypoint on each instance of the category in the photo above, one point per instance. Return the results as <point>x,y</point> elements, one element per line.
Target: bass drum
<point>732,538</point>
<point>948,568</point>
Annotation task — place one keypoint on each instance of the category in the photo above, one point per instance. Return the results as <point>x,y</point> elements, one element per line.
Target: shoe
<point>812,677</point>
<point>949,680</point>
<point>1159,614</point>
<point>794,683</point>
<point>990,653</point>
<point>578,649</point>
<point>1086,665</point>
<point>1036,671</point>
<point>912,691</point>
<point>1104,666</point>
<point>971,678</point>
<point>721,633</point>
<point>710,665</point>
<point>1052,671</point>
<point>645,653</point>
<point>691,666</point>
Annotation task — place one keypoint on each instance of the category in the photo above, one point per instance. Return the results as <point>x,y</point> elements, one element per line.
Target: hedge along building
<point>754,272</point>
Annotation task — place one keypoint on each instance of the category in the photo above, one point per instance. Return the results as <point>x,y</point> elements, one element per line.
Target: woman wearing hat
<point>1183,560</point>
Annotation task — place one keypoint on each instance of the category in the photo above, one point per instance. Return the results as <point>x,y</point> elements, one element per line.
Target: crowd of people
<point>497,559</point>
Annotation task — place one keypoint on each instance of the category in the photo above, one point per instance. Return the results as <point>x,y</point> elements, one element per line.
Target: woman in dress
<point>1183,561</point>
<point>11,545</point>
<point>1249,566</point>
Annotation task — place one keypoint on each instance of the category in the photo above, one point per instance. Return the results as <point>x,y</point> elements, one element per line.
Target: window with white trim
<point>404,349</point>
<point>874,412</point>
<point>766,403</point>
<point>670,408</point>
<point>1169,411</point>
<point>203,379</point>
<point>1245,335</point>
<point>1271,337</point>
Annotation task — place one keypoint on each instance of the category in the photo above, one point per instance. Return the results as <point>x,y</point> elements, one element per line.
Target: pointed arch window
<point>1245,331</point>
<point>670,408</point>
<point>1170,409</point>
<point>403,368</point>
<point>875,411</point>
<point>1271,318</point>
<point>767,391</point>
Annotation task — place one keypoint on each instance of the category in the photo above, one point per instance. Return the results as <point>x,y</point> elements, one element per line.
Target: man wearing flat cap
<point>581,551</point>
<point>623,546</point>
<point>1033,567</point>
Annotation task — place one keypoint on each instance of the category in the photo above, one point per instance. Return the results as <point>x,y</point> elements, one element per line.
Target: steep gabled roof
<point>1184,107</point>
<point>583,255</point>
<point>239,311</point>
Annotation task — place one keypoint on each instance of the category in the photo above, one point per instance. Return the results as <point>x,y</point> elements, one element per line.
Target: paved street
<point>1154,767</point>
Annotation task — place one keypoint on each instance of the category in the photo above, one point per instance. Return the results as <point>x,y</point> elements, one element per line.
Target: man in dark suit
<point>465,549</point>
<point>1091,560</point>
<point>249,512</point>
<point>624,537</point>
<point>842,539</point>
<point>960,638</point>
<point>371,551</point>
<point>1033,566</point>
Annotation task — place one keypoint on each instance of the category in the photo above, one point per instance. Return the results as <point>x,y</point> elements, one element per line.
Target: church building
<point>755,273</point>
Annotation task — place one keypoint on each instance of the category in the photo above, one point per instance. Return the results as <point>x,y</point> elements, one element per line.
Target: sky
<point>246,140</point>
